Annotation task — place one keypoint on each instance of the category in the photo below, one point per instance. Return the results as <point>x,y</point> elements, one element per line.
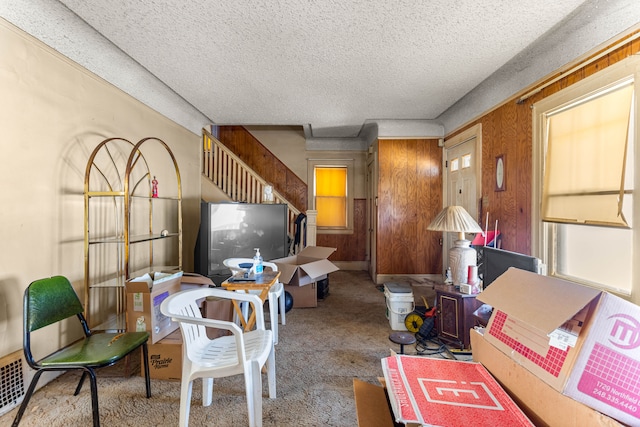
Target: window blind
<point>331,196</point>
<point>584,179</point>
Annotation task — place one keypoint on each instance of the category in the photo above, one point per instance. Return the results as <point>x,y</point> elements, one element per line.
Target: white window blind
<point>584,179</point>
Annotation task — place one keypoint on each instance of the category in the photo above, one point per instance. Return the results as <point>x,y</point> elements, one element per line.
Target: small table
<point>455,315</point>
<point>262,283</point>
<point>402,338</point>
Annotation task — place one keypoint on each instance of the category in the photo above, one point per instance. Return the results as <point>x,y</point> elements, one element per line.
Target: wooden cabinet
<point>455,315</point>
<point>132,222</point>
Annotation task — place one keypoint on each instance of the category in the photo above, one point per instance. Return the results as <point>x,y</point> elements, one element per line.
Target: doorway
<point>462,159</point>
<point>372,212</point>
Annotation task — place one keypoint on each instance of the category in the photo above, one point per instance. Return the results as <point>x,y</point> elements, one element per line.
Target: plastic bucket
<point>399,300</point>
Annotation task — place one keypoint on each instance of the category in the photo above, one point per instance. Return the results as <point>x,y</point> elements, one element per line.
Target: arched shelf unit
<point>132,222</point>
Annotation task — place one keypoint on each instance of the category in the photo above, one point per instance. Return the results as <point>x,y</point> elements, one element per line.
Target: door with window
<point>461,184</point>
<point>461,177</point>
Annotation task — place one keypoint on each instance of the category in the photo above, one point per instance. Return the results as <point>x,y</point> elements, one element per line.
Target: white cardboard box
<point>144,296</point>
<point>606,375</point>
<point>583,342</point>
<point>309,266</point>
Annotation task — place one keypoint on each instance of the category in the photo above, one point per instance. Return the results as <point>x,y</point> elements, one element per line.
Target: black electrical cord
<point>423,348</point>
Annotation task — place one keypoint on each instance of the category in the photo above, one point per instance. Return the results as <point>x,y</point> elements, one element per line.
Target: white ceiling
<point>329,65</point>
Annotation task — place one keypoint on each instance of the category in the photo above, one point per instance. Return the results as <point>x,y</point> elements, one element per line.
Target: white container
<point>399,299</point>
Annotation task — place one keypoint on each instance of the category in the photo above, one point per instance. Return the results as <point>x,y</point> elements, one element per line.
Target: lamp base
<point>461,256</point>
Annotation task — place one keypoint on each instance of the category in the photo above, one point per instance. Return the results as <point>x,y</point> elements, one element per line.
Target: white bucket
<point>399,299</point>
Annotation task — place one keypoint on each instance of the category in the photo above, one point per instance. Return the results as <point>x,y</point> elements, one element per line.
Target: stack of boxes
<point>567,353</point>
<point>144,296</point>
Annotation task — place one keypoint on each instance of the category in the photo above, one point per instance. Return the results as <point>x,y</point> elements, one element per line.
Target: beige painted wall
<point>288,144</point>
<point>53,113</point>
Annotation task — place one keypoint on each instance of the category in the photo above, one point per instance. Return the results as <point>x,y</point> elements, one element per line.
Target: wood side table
<point>262,283</point>
<point>455,315</point>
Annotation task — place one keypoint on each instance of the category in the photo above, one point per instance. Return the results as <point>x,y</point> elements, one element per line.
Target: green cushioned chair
<point>51,300</point>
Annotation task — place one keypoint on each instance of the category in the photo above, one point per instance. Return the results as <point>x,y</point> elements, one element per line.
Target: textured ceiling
<point>327,64</point>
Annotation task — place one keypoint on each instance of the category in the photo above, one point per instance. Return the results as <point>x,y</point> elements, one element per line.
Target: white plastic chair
<point>240,353</point>
<point>276,292</point>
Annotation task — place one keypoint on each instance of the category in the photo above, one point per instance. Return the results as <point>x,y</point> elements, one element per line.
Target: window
<point>331,194</point>
<point>466,161</point>
<point>586,156</point>
<point>455,165</point>
<point>584,177</point>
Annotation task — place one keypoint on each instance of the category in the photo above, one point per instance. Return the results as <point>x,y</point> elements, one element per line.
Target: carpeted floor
<point>320,351</point>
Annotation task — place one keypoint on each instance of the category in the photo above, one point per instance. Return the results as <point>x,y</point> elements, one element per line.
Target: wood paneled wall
<point>508,130</point>
<point>268,166</point>
<point>350,247</point>
<point>409,197</point>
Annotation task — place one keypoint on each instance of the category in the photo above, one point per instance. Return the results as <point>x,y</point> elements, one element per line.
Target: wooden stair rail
<point>240,183</point>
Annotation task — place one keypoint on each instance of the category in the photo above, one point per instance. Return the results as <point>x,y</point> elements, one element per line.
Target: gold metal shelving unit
<point>128,229</point>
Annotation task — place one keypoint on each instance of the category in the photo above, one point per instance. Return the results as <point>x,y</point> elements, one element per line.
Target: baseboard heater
<point>12,387</point>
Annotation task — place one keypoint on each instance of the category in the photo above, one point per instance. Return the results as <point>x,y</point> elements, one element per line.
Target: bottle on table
<point>258,267</point>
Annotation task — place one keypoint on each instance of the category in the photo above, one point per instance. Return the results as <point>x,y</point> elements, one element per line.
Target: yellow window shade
<point>586,159</point>
<point>331,196</point>
<point>331,181</point>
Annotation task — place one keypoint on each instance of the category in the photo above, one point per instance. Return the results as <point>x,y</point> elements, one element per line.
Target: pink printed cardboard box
<point>583,342</point>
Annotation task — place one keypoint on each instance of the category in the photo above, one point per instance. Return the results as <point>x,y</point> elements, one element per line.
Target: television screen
<point>496,261</point>
<point>233,230</point>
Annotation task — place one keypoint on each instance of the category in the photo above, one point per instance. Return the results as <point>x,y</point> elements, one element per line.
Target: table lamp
<point>461,255</point>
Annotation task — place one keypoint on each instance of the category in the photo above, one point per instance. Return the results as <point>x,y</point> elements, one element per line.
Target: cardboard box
<point>539,401</point>
<point>219,309</point>
<point>194,280</point>
<point>307,267</point>
<point>303,296</point>
<point>144,296</point>
<point>427,391</point>
<point>581,341</point>
<point>527,308</point>
<point>606,375</point>
<point>372,407</point>
<point>165,358</point>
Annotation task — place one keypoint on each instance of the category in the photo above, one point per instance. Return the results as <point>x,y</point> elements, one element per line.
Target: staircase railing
<point>238,181</point>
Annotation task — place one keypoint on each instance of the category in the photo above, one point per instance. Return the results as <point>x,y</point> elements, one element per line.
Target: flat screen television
<point>496,261</point>
<point>233,230</point>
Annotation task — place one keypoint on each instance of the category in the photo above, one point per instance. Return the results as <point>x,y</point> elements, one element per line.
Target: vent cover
<point>11,381</point>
